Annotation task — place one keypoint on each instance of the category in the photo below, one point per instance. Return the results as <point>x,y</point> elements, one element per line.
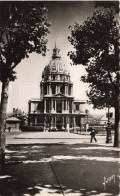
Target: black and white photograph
<point>60,98</point>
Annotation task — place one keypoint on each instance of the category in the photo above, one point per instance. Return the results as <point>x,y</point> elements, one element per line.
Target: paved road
<point>67,167</point>
<point>52,137</point>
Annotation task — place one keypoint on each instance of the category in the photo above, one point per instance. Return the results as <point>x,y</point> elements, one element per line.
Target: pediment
<point>59,95</point>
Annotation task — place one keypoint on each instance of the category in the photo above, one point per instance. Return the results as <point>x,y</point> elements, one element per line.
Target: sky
<point>61,15</point>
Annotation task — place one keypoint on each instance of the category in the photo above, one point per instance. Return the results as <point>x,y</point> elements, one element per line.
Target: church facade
<point>56,109</point>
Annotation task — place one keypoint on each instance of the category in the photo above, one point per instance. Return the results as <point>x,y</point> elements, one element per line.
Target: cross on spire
<point>56,41</point>
<point>56,50</point>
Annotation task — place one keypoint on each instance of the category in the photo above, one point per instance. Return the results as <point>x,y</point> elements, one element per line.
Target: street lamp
<point>49,119</point>
<point>87,113</point>
<point>108,138</point>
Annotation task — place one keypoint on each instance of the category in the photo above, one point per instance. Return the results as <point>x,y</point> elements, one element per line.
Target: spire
<point>56,50</point>
<point>56,41</point>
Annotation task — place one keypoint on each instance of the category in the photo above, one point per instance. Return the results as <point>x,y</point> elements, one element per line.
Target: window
<point>54,67</point>
<point>77,107</point>
<point>53,90</point>
<point>53,77</point>
<point>61,77</point>
<point>60,67</point>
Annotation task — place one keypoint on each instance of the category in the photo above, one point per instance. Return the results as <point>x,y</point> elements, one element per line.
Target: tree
<point>96,44</point>
<point>23,30</point>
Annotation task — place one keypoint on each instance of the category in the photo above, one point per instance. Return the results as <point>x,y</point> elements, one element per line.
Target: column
<point>29,111</point>
<point>44,106</point>
<point>35,120</point>
<point>66,122</point>
<point>55,105</point>
<point>51,104</point>
<point>74,122</point>
<point>62,106</point>
<point>49,77</point>
<point>65,89</point>
<point>72,107</point>
<point>51,121</point>
<point>44,123</point>
<point>71,89</point>
<point>50,90</point>
<point>56,89</point>
<point>55,121</point>
<point>66,105</point>
<point>63,121</point>
<point>29,106</point>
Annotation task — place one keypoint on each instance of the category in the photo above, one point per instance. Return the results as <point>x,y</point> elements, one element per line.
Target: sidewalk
<point>68,167</point>
<point>52,137</point>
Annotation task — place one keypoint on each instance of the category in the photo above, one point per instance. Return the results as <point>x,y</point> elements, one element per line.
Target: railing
<point>52,128</point>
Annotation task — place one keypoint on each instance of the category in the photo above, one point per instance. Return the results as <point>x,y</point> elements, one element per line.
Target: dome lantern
<point>56,65</point>
<point>56,51</point>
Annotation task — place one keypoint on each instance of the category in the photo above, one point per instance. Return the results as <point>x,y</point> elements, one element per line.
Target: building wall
<point>56,106</point>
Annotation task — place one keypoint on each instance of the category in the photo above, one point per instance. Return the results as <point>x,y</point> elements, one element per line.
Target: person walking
<point>93,133</point>
<point>9,128</point>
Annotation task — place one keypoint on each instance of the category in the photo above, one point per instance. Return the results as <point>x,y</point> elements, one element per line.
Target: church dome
<point>56,65</point>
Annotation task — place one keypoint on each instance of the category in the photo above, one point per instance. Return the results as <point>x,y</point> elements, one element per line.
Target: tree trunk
<point>117,126</point>
<point>3,109</point>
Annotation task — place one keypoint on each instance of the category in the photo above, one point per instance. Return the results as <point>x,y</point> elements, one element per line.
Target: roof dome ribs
<point>56,65</point>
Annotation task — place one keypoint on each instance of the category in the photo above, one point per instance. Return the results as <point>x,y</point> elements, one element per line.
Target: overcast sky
<point>61,15</point>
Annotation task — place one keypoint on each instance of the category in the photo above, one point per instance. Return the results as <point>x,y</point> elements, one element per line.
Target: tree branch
<point>12,67</point>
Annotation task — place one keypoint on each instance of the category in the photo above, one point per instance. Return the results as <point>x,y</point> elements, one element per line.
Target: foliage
<point>96,47</point>
<point>23,28</point>
<point>108,4</point>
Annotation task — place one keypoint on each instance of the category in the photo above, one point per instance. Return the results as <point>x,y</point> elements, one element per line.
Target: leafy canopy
<point>96,46</point>
<point>23,30</point>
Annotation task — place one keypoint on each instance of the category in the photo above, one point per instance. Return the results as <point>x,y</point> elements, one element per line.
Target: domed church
<point>56,109</point>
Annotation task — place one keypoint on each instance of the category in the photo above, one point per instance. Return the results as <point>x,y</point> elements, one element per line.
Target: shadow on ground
<point>58,169</point>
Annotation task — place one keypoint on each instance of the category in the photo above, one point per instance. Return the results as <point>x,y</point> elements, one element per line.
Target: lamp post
<point>49,119</point>
<point>108,138</point>
<point>87,125</point>
<point>111,51</point>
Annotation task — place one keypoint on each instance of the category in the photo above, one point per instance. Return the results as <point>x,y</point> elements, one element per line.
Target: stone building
<point>56,109</point>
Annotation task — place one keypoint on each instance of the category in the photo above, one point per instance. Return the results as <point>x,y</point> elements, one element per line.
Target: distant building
<point>56,108</point>
<point>99,121</point>
<point>16,119</point>
<point>104,119</point>
<point>13,123</point>
<point>17,112</point>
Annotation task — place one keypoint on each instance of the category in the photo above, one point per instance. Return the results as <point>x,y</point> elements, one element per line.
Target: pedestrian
<point>9,128</point>
<point>93,133</point>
